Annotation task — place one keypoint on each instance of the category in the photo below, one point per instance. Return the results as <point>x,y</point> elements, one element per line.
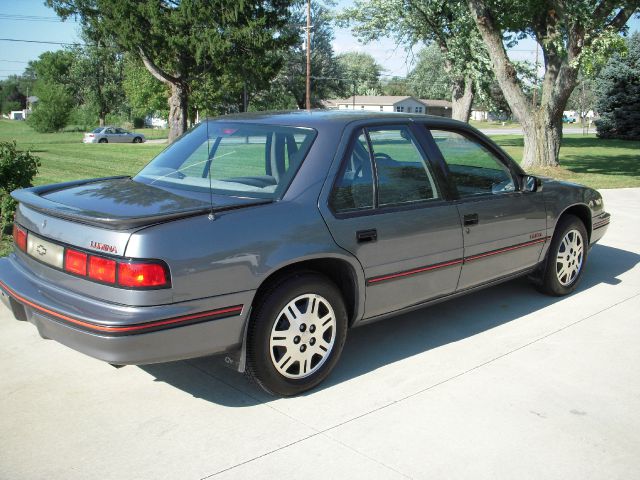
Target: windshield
<point>247,160</point>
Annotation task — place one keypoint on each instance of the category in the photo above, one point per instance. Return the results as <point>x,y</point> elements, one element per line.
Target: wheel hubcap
<point>302,336</point>
<point>569,258</point>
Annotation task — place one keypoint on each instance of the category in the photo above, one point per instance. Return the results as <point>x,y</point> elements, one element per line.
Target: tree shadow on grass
<point>371,347</point>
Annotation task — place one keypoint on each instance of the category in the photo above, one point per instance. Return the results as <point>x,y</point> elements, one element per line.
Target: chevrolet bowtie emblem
<point>41,250</point>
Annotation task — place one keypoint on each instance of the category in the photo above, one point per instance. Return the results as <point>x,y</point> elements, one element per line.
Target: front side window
<point>474,169</point>
<point>232,159</point>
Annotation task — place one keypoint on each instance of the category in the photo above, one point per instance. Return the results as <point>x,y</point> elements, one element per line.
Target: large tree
<point>565,31</point>
<point>181,42</point>
<point>361,69</point>
<point>98,74</point>
<point>445,23</point>
<point>429,78</point>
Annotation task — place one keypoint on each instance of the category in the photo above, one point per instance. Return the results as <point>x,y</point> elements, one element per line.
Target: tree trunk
<point>178,103</point>
<point>462,93</point>
<point>542,138</point>
<point>102,120</point>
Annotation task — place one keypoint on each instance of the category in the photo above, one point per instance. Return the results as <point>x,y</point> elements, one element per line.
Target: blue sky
<point>14,56</point>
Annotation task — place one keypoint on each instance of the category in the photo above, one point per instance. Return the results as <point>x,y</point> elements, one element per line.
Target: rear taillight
<point>102,269</point>
<point>75,262</point>
<point>141,275</point>
<point>89,135</point>
<point>126,273</point>
<point>20,237</point>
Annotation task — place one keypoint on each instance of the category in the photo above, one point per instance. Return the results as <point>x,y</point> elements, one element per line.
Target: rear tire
<point>566,258</point>
<point>296,334</point>
<point>103,140</point>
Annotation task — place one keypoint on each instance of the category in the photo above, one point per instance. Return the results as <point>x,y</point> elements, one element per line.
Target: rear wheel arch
<point>340,272</point>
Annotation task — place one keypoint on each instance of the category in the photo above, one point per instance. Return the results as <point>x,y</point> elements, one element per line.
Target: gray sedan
<point>112,135</point>
<point>270,236</point>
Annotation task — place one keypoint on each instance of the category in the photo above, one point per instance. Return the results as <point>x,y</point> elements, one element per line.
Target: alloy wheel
<point>569,258</point>
<point>302,336</point>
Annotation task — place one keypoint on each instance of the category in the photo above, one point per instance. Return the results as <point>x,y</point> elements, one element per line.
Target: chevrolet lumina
<point>269,236</point>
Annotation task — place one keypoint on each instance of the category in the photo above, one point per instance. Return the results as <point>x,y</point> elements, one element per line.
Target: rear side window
<point>474,169</point>
<point>400,172</point>
<point>354,189</point>
<point>404,175</point>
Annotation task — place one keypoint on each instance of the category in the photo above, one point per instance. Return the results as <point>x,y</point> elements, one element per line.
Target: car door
<point>504,228</point>
<point>121,136</point>
<point>387,208</point>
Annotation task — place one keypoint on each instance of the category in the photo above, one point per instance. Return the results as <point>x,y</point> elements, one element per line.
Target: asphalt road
<point>502,384</point>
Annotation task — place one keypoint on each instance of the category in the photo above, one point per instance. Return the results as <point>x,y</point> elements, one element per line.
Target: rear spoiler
<point>32,198</point>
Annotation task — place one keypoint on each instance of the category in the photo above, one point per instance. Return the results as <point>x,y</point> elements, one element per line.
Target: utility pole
<point>308,54</point>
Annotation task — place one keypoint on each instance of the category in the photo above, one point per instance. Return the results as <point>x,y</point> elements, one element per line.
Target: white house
<point>391,103</point>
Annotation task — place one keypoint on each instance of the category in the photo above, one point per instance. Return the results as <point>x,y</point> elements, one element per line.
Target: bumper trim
<point>118,330</point>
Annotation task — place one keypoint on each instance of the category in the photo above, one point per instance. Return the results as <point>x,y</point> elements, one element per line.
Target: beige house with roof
<point>391,103</point>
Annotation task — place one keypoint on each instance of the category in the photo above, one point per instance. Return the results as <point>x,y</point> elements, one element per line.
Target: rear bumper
<point>120,334</point>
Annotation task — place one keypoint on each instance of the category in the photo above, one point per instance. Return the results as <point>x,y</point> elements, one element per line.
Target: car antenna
<point>211,216</point>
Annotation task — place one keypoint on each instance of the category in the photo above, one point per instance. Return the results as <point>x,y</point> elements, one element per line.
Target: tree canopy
<point>183,42</point>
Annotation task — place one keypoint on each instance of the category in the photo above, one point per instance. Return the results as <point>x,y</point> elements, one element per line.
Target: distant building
<point>391,103</point>
<point>440,108</point>
<point>19,114</point>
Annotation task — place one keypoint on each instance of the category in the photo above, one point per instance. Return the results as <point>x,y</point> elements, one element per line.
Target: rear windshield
<point>247,160</point>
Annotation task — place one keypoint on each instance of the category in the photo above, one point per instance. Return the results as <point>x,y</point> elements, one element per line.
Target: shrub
<point>52,111</point>
<point>17,170</point>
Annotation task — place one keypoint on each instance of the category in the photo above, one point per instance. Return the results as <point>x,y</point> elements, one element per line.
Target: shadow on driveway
<point>400,337</point>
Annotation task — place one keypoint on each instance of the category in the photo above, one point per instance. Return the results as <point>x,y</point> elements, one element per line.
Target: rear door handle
<point>470,219</point>
<point>364,236</point>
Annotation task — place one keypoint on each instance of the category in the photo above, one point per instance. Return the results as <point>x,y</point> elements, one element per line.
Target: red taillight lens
<point>102,269</point>
<point>20,237</point>
<point>141,275</point>
<point>75,262</point>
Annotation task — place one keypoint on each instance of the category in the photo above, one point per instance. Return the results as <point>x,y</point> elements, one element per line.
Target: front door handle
<point>364,236</point>
<point>470,219</point>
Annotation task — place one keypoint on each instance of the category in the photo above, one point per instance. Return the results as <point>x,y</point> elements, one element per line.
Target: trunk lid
<point>120,203</point>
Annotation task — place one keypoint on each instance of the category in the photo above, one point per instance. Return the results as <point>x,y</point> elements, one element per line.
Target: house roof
<point>436,103</point>
<point>386,100</point>
<point>373,99</point>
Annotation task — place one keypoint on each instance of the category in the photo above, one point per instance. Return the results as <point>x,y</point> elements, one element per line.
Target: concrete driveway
<point>505,383</point>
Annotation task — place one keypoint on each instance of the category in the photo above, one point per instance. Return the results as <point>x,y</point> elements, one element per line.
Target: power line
<point>41,41</point>
<point>12,61</point>
<point>30,18</point>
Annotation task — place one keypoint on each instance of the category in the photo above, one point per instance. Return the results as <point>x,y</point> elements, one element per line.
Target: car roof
<point>320,118</point>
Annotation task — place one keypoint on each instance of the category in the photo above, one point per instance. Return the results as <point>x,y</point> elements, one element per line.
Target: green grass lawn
<point>587,160</point>
<point>64,157</point>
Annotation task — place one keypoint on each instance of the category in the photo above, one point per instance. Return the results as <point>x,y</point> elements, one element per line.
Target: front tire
<point>137,140</point>
<point>566,258</point>
<point>296,334</point>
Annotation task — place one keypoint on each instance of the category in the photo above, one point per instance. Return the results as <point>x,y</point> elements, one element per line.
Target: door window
<point>474,169</point>
<point>354,190</point>
<point>404,175</point>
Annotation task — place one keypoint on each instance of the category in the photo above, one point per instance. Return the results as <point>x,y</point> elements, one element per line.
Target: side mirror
<point>531,184</point>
